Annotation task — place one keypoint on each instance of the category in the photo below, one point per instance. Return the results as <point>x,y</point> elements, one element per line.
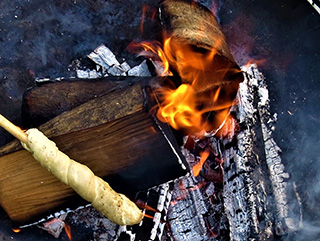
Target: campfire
<point>186,135</point>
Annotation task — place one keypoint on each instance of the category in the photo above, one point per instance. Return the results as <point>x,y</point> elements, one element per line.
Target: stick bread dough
<point>116,207</point>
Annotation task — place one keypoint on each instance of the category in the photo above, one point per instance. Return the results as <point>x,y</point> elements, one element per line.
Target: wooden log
<point>113,135</point>
<point>198,45</point>
<point>41,104</point>
<point>256,185</point>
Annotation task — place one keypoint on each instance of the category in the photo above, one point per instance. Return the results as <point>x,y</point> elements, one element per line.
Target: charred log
<point>255,181</point>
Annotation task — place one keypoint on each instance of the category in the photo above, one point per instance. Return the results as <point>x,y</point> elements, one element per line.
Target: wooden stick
<point>13,129</point>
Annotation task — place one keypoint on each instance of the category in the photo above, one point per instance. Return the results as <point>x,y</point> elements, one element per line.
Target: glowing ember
<point>197,168</point>
<point>54,226</point>
<point>185,191</point>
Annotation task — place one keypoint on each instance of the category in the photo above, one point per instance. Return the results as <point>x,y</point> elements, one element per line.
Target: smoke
<point>303,163</point>
<point>271,31</point>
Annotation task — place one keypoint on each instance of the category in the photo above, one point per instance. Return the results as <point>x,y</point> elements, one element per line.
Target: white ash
<point>89,74</point>
<point>125,67</point>
<point>106,55</point>
<point>140,70</point>
<point>109,64</point>
<point>106,65</point>
<point>99,61</point>
<point>187,208</point>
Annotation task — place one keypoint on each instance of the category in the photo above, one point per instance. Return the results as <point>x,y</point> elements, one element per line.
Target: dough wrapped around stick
<point>116,207</point>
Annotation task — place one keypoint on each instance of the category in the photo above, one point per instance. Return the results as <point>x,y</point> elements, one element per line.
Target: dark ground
<point>41,39</point>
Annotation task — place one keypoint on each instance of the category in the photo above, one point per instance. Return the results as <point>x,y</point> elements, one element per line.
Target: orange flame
<point>179,109</point>
<point>187,107</point>
<point>184,109</point>
<point>191,63</point>
<point>255,61</point>
<point>16,230</point>
<point>197,168</point>
<point>143,205</point>
<point>203,90</point>
<point>148,216</point>
<point>67,228</point>
<point>146,10</point>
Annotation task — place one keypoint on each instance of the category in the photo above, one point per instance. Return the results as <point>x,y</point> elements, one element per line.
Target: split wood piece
<point>43,103</point>
<point>122,144</point>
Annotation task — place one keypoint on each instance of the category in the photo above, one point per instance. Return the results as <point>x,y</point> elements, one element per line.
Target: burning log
<point>120,158</point>
<point>253,204</point>
<point>197,48</point>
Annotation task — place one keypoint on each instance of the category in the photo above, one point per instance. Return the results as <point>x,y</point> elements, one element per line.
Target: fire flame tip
<point>67,229</point>
<point>16,230</point>
<point>197,167</point>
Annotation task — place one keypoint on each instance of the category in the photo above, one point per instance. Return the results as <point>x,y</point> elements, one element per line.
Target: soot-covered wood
<point>114,135</point>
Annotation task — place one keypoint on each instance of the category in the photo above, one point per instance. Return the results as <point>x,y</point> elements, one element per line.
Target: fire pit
<point>236,211</point>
